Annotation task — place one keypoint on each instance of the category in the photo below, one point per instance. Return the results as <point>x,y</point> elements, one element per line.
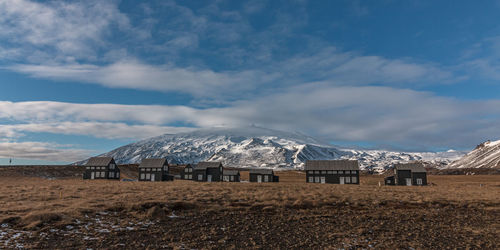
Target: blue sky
<point>78,78</point>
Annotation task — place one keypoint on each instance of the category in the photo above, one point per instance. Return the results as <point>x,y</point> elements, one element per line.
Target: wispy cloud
<point>42,151</point>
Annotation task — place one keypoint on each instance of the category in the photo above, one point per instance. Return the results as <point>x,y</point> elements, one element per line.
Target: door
<point>408,181</point>
<point>152,177</point>
<point>342,180</point>
<point>92,175</point>
<point>209,178</point>
<point>323,179</point>
<point>259,178</point>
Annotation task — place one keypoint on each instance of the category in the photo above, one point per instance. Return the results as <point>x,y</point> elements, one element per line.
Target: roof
<point>261,171</point>
<point>153,163</point>
<point>208,164</point>
<point>231,172</point>
<point>414,167</point>
<point>332,165</point>
<point>99,161</point>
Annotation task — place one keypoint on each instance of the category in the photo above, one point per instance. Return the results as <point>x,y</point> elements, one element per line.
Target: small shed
<point>263,175</point>
<point>332,171</point>
<point>187,172</point>
<point>231,175</point>
<point>389,180</point>
<point>206,171</point>
<point>410,174</point>
<point>101,168</point>
<point>154,169</point>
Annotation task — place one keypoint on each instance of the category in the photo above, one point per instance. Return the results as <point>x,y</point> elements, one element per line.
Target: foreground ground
<point>454,212</point>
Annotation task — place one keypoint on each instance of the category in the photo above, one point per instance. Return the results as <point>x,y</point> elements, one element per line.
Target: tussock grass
<point>31,202</point>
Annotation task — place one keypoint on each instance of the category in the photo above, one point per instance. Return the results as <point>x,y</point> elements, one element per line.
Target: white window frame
<point>419,181</point>
<point>316,179</point>
<point>186,170</point>
<point>111,166</point>
<point>311,179</point>
<point>231,178</point>
<point>330,172</point>
<point>200,177</point>
<point>323,171</point>
<point>148,176</point>
<point>143,176</point>
<point>347,180</point>
<point>311,172</point>
<point>354,179</point>
<point>341,172</point>
<point>316,172</point>
<point>266,178</point>
<point>334,171</point>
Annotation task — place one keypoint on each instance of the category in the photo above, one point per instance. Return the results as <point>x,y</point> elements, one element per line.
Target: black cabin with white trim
<point>332,171</point>
<point>101,168</point>
<point>154,169</point>
<point>263,175</point>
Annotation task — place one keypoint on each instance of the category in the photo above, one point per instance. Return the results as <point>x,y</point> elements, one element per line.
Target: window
<point>148,169</point>
<point>419,181</point>
<point>341,172</point>
<point>200,177</point>
<point>103,174</point>
<point>92,167</point>
<point>186,170</point>
<point>97,174</point>
<point>226,178</point>
<point>142,176</point>
<point>220,169</point>
<point>266,178</point>
<point>330,172</point>
<point>88,168</point>
<point>232,177</point>
<point>190,177</point>
<point>334,171</point>
<point>190,170</point>
<point>316,172</point>
<point>111,174</point>
<point>355,179</point>
<point>388,181</point>
<point>354,172</point>
<point>348,179</point>
<point>112,166</point>
<point>148,176</point>
<point>311,172</point>
<point>323,172</point>
<point>316,179</point>
<point>311,179</point>
<point>117,174</point>
<point>165,168</point>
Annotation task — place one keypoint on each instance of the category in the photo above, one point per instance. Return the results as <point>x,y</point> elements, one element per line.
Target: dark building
<point>410,174</point>
<point>389,180</point>
<point>101,168</point>
<point>332,171</point>
<point>263,175</point>
<point>231,176</point>
<point>187,172</point>
<point>154,170</point>
<point>208,171</point>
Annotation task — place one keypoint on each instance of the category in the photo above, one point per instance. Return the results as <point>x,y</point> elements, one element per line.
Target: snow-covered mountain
<point>485,155</point>
<point>254,147</point>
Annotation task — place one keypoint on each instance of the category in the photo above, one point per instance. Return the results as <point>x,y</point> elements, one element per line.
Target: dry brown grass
<point>455,211</point>
<point>32,198</point>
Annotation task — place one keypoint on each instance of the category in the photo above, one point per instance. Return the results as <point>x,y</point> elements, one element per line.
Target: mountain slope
<point>255,147</point>
<point>485,155</point>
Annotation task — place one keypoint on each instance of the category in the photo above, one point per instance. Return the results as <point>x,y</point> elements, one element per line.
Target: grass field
<point>456,211</point>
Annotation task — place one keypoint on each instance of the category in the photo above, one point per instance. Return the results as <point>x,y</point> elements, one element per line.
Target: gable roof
<point>99,161</point>
<point>414,167</point>
<point>208,164</point>
<point>261,171</point>
<point>231,172</point>
<point>332,165</point>
<point>153,163</point>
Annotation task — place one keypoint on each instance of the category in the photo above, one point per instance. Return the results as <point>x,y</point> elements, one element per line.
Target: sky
<point>79,78</point>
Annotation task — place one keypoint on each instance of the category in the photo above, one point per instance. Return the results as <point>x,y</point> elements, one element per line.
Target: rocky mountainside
<point>485,155</point>
<point>254,147</point>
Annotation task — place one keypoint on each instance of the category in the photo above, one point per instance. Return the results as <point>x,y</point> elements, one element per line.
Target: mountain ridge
<point>256,147</point>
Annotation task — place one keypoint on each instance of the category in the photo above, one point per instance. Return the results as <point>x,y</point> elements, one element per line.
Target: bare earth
<point>455,212</point>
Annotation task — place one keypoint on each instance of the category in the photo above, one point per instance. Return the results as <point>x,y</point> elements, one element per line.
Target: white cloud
<point>64,29</point>
<point>42,151</point>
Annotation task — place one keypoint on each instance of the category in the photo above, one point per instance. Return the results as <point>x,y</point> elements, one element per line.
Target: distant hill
<point>485,155</point>
<point>255,147</point>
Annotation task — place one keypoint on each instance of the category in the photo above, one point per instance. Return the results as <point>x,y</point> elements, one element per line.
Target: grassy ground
<point>456,211</point>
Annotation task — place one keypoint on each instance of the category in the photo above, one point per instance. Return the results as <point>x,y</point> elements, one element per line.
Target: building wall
<point>401,176</point>
<point>101,173</point>
<point>270,177</point>
<point>216,174</point>
<point>236,178</point>
<point>185,175</point>
<point>332,177</point>
<point>422,176</point>
<point>160,174</point>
